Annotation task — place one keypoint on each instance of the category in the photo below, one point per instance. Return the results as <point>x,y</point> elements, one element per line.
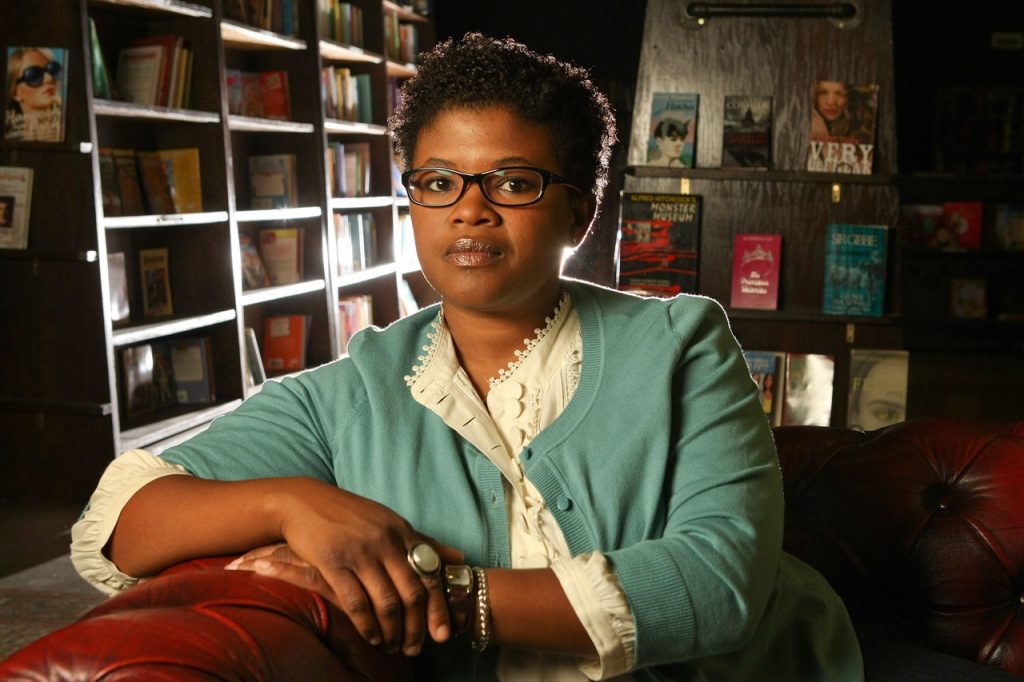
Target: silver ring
<point>424,559</point>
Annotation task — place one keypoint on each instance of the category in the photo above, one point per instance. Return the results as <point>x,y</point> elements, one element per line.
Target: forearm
<point>176,518</point>
<point>529,610</point>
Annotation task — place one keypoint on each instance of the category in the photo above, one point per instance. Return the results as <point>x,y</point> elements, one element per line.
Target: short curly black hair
<point>479,71</point>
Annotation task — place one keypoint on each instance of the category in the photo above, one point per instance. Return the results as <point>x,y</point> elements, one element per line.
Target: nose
<point>473,208</point>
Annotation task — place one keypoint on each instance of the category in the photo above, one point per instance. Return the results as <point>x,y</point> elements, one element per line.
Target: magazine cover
<point>878,388</point>
<point>855,258</point>
<point>747,132</point>
<point>756,263</point>
<point>15,206</point>
<point>673,130</point>
<point>658,243</point>
<point>808,392</point>
<point>767,369</point>
<point>843,119</point>
<point>37,92</point>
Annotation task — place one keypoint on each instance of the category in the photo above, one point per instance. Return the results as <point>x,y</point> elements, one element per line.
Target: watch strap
<point>460,588</point>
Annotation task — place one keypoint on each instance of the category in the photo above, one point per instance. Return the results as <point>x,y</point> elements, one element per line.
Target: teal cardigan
<point>662,460</point>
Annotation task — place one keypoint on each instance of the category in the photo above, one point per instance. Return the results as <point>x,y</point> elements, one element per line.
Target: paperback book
<point>254,274</point>
<point>747,132</point>
<point>255,374</point>
<point>767,370</point>
<point>272,181</point>
<point>808,389</point>
<point>672,139</point>
<point>164,390</point>
<point>842,134</point>
<point>137,379</point>
<point>36,88</point>
<point>878,388</point>
<point>184,184</point>
<point>855,266</point>
<point>967,298</point>
<point>284,341</point>
<point>756,264</point>
<point>355,312</point>
<point>355,237</point>
<point>126,172</point>
<point>192,359</point>
<point>281,251</point>
<point>156,282</point>
<point>15,206</point>
<point>118,276</point>
<point>658,243</point>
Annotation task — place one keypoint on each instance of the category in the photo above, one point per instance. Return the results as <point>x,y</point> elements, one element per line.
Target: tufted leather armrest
<point>920,528</point>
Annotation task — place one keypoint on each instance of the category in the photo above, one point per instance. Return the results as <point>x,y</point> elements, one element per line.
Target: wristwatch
<point>460,587</point>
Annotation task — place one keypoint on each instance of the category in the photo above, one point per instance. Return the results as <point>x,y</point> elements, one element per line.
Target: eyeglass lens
<point>505,186</point>
<point>33,76</point>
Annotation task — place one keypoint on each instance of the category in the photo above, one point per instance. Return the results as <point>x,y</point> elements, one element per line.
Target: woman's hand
<point>353,552</point>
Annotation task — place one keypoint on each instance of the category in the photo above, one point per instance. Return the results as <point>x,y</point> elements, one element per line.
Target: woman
<point>35,95</point>
<point>593,468</point>
<point>669,140</point>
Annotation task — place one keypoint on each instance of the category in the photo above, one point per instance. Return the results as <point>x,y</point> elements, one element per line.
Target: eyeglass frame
<point>52,67</point>
<point>547,179</point>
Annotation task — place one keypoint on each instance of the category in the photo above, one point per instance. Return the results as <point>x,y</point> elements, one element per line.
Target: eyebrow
<point>500,163</point>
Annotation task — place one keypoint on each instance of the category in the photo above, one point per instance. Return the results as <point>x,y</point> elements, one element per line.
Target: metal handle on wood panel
<point>844,14</point>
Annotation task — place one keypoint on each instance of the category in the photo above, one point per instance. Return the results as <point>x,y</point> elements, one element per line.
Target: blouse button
<point>564,503</point>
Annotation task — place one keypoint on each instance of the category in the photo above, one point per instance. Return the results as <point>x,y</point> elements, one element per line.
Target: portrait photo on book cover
<point>673,130</point>
<point>842,134</point>
<point>36,88</point>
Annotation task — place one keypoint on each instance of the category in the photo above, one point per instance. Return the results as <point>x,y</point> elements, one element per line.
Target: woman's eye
<point>437,183</point>
<point>516,185</point>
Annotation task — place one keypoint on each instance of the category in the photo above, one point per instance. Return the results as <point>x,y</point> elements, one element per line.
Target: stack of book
<point>156,70</point>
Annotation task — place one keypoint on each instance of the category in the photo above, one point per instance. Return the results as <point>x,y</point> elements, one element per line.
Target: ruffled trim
<point>531,344</point>
<point>430,350</point>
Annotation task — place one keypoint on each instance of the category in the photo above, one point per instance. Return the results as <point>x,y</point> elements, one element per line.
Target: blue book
<point>672,140</point>
<point>855,257</point>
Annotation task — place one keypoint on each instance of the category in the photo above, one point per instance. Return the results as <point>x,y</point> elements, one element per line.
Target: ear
<point>583,209</point>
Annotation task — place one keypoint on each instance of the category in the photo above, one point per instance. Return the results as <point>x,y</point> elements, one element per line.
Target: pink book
<point>755,271</point>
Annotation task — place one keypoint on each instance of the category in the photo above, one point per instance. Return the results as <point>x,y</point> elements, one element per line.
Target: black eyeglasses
<point>514,186</point>
<point>33,76</point>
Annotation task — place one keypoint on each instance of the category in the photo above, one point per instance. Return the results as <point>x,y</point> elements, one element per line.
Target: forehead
<point>471,137</point>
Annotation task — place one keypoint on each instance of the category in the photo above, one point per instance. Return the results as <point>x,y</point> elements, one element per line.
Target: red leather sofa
<point>920,527</point>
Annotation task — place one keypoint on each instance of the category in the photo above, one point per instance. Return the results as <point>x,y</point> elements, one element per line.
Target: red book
<point>274,93</point>
<point>962,220</point>
<point>756,261</point>
<point>284,343</point>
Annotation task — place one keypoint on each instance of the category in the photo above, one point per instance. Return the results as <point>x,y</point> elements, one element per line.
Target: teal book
<point>855,267</point>
<point>672,140</point>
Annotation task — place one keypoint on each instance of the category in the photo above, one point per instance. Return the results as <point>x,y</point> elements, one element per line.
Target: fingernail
<point>374,640</point>
<point>233,565</point>
<point>441,634</point>
<point>412,650</point>
<point>262,566</point>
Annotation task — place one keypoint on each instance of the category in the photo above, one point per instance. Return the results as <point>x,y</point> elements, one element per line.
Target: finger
<point>438,616</point>
<point>265,550</point>
<point>414,591</point>
<point>304,576</point>
<point>349,595</point>
<point>386,602</point>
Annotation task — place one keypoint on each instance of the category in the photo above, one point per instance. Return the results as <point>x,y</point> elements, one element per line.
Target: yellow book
<point>182,167</point>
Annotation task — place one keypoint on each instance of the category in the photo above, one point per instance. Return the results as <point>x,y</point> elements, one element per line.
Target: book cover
<point>233,85</point>
<point>138,73</point>
<point>165,392</point>
<point>155,183</point>
<point>921,225</point>
<point>255,374</point>
<point>281,251</point>
<point>102,87</point>
<point>137,379</point>
<point>272,181</point>
<point>36,87</point>
<point>15,206</point>
<point>356,171</point>
<point>117,272</point>
<point>355,312</point>
<point>407,303</point>
<point>154,267</point>
<point>1008,227</point>
<point>274,95</point>
<point>756,265</point>
<point>963,221</point>
<point>673,130</point>
<point>807,396</point>
<point>855,267</point>
<point>284,343</point>
<point>767,369</point>
<point>170,50</point>
<point>842,134</point>
<point>192,362</point>
<point>747,132</point>
<point>658,243</point>
<point>181,167</point>
<point>967,298</point>
<point>108,183</point>
<point>355,240</point>
<point>126,172</point>
<point>252,96</point>
<point>254,273</point>
<point>878,388</point>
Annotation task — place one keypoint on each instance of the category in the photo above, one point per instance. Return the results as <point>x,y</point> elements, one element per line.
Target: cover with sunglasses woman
<point>35,94</point>
<point>537,479</point>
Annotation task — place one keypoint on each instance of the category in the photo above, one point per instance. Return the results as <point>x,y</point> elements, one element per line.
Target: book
<point>962,220</point>
<point>877,395</point>
<point>165,391</point>
<point>807,395</point>
<point>842,132</point>
<point>355,238</point>
<point>355,312</point>
<point>15,206</point>
<point>356,171</point>
<point>155,183</point>
<point>1008,227</point>
<point>192,360</point>
<point>767,370</point>
<point>673,129</point>
<point>967,299</point>
<point>747,132</point>
<point>284,343</point>
<point>37,87</point>
<point>154,268</point>
<point>181,168</point>
<point>274,97</point>
<point>281,251</point>
<point>108,183</point>
<point>126,172</point>
<point>921,225</point>
<point>137,379</point>
<point>255,374</point>
<point>407,303</point>
<point>252,96</point>
<point>117,274</point>
<point>139,71</point>
<point>658,243</point>
<point>102,87</point>
<point>272,181</point>
<point>254,274</point>
<point>855,267</point>
<point>170,49</point>
<point>756,264</point>
<point>233,85</point>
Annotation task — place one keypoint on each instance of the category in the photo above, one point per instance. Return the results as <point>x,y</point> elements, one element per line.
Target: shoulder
<point>620,307</point>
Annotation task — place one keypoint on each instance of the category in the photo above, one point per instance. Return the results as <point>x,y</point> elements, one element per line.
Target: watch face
<point>458,579</point>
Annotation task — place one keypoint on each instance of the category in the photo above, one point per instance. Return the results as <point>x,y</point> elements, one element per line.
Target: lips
<point>472,253</point>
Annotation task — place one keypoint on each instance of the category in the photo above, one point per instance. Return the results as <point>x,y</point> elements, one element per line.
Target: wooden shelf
<point>400,70</point>
<point>376,272</point>
<point>347,53</point>
<point>358,203</point>
<point>241,37</point>
<point>267,125</point>
<point>255,296</point>
<point>404,13</point>
<point>161,329</point>
<point>105,107</point>
<point>143,436</point>
<point>760,175</point>
<point>163,220</point>
<point>266,214</point>
<point>336,126</point>
<point>49,255</point>
<point>187,9</point>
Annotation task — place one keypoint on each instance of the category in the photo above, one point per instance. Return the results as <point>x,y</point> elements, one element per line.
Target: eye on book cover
<point>673,130</point>
<point>855,257</point>
<point>843,119</point>
<point>747,132</point>
<point>658,243</point>
<point>878,388</point>
<point>36,94</point>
